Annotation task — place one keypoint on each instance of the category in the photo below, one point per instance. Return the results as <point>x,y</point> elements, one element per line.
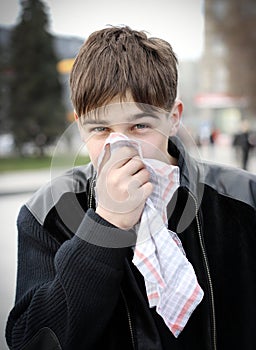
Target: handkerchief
<point>170,279</point>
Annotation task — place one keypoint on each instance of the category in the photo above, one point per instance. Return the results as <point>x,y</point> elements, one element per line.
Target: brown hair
<point>116,60</point>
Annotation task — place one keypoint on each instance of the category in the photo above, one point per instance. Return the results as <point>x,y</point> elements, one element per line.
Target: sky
<point>180,22</point>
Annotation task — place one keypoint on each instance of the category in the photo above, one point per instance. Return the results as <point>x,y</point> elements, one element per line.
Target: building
<point>220,106</point>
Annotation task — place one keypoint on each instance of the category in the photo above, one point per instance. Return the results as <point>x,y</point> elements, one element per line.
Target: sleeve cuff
<point>95,230</point>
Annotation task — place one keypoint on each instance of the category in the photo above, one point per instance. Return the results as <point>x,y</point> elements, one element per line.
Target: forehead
<point>122,112</point>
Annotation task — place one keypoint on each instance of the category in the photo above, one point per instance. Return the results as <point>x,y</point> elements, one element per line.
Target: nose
<point>121,129</point>
<point>116,134</point>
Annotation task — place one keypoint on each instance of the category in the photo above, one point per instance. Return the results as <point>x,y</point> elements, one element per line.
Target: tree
<point>5,74</point>
<point>36,111</point>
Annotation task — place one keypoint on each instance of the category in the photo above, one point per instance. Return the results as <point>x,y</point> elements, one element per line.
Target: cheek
<point>155,148</point>
<point>94,149</point>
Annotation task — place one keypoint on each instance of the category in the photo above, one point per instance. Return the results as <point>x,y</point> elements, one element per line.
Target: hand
<point>122,187</point>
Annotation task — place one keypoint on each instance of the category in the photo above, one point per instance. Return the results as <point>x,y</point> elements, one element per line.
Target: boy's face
<point>151,127</point>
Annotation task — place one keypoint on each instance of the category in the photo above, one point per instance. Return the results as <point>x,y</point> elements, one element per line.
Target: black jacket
<point>78,289</point>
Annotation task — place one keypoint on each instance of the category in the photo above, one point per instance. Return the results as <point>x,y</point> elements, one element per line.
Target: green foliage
<point>36,112</point>
<point>31,163</point>
<point>4,87</point>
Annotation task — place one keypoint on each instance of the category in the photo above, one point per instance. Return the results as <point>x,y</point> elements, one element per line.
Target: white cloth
<point>170,280</point>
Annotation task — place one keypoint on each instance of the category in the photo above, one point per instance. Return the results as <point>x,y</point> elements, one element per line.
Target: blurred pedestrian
<point>242,143</point>
<point>213,136</point>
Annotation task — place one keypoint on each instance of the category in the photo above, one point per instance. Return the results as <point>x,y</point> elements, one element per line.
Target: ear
<point>176,117</point>
<point>78,123</point>
<point>75,116</point>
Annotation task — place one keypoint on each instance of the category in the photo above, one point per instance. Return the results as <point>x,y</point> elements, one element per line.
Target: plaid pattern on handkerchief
<point>170,280</point>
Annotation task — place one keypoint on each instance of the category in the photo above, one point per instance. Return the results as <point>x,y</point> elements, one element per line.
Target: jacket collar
<point>191,188</point>
<point>191,170</point>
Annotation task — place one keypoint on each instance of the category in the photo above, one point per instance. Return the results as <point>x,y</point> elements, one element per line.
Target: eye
<point>141,126</point>
<point>99,129</point>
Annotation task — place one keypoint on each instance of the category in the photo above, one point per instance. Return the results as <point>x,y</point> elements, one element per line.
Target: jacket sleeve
<point>65,293</point>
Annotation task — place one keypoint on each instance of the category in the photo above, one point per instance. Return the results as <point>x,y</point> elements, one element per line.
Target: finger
<point>105,158</point>
<point>142,176</point>
<point>146,190</point>
<point>133,165</point>
<point>121,156</point>
<point>137,181</point>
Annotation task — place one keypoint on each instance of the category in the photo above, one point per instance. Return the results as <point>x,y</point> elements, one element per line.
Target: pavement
<point>226,155</point>
<point>25,181</point>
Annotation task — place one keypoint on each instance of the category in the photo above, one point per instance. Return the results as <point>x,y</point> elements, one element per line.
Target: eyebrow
<point>91,121</point>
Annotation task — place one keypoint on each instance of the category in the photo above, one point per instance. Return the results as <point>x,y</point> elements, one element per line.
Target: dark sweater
<point>77,288</point>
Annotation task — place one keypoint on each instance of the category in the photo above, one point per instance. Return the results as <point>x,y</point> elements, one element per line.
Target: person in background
<point>243,144</point>
<point>145,247</point>
<point>213,136</point>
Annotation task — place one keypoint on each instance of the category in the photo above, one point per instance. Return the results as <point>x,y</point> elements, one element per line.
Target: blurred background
<point>215,41</point>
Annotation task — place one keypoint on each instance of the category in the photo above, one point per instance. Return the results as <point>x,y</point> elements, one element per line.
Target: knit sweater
<point>74,293</point>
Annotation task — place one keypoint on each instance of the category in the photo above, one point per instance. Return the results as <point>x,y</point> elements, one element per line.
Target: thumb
<point>105,158</point>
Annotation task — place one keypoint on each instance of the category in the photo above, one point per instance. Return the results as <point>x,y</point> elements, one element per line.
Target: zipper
<point>129,318</point>
<point>214,331</point>
<point>91,188</point>
<point>92,184</point>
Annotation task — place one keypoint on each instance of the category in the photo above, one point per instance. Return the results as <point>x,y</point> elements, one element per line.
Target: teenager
<point>86,278</point>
